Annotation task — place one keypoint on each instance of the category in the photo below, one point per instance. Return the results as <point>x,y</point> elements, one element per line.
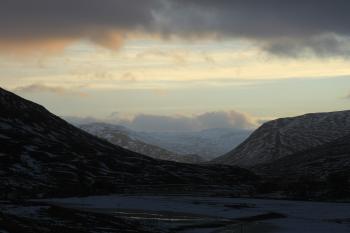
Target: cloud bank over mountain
<point>161,123</point>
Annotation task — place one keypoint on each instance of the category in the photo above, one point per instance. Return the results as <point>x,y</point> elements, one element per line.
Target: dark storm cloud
<point>51,25</point>
<point>32,18</point>
<point>281,27</point>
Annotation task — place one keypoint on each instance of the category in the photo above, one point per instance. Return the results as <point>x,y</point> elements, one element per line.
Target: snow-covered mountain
<point>42,155</point>
<point>123,137</point>
<point>282,137</point>
<point>208,143</point>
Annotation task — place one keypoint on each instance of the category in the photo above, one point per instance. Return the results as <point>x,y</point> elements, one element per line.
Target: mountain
<point>320,161</point>
<point>41,155</point>
<point>286,136</point>
<point>322,172</point>
<point>208,143</point>
<point>122,136</point>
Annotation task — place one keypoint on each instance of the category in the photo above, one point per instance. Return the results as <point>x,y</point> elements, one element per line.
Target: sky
<point>177,64</point>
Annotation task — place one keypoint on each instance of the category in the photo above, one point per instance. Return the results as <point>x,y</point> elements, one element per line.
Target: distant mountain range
<point>208,144</point>
<point>282,137</point>
<point>41,155</point>
<point>126,138</point>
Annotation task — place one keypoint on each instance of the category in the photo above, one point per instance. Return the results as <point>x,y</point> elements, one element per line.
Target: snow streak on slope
<point>279,138</point>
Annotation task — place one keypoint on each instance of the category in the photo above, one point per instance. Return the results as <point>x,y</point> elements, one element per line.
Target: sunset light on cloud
<point>153,55</point>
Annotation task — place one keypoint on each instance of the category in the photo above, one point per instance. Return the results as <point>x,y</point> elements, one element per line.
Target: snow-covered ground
<point>192,214</point>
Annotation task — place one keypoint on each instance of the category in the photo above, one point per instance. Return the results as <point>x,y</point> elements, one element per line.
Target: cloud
<point>347,96</point>
<point>322,46</point>
<point>231,119</point>
<point>280,27</point>
<point>179,58</point>
<point>81,120</point>
<point>128,77</point>
<point>287,28</point>
<point>162,123</point>
<point>32,22</point>
<point>160,92</point>
<point>32,46</point>
<point>35,88</point>
<point>208,59</point>
<point>219,119</point>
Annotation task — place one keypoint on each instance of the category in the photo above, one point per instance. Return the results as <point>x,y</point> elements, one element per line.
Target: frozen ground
<point>207,214</point>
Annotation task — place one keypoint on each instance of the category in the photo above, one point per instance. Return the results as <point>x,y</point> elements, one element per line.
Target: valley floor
<point>189,214</point>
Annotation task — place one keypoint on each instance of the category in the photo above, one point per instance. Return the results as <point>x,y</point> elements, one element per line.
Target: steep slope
<point>42,155</point>
<point>208,143</point>
<point>286,136</point>
<point>321,161</point>
<point>322,172</point>
<point>120,136</point>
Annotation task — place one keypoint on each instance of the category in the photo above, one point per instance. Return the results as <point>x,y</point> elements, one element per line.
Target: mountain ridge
<point>42,155</point>
<point>285,136</point>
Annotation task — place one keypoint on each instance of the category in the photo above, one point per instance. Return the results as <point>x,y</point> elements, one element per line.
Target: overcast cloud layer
<point>279,26</point>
